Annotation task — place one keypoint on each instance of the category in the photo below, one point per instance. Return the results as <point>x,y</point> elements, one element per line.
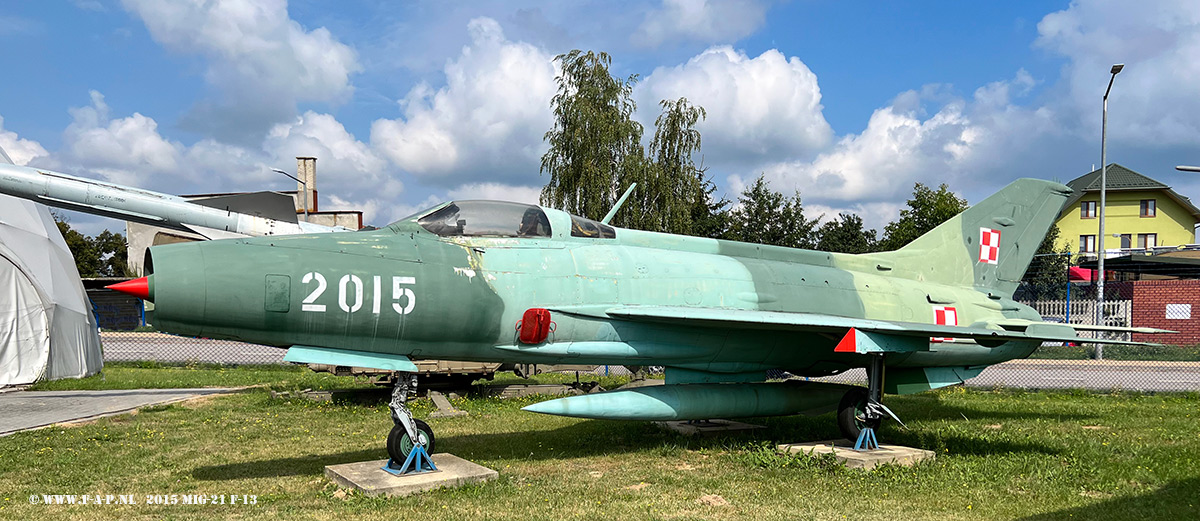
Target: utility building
<point>292,206</point>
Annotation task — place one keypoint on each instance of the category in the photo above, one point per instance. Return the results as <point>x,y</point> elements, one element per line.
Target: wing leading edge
<point>989,335</point>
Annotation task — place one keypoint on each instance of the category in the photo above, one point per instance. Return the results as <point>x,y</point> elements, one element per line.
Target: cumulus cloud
<point>345,163</point>
<point>261,60</point>
<point>766,108</point>
<point>126,150</point>
<point>486,123</point>
<point>707,21</point>
<point>21,151</point>
<point>1154,98</point>
<point>497,191</point>
<point>872,172</point>
<point>130,150</point>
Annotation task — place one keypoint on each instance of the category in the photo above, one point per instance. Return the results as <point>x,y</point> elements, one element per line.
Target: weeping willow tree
<point>673,195</point>
<point>595,154</point>
<point>594,139</point>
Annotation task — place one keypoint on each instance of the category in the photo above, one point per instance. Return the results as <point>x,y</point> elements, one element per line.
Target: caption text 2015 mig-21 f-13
<point>508,282</point>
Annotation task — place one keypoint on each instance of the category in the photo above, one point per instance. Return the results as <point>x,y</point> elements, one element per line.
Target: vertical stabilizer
<point>990,245</point>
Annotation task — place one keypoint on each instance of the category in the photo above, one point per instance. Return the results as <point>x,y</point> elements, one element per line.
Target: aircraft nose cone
<point>139,288</point>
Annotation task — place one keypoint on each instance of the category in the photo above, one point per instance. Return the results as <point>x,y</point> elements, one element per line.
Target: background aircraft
<point>509,282</point>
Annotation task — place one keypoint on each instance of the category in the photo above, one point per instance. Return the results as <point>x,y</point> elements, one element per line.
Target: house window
<point>1148,209</point>
<point>1147,240</point>
<point>1126,241</point>
<point>1087,244</point>
<point>1087,210</point>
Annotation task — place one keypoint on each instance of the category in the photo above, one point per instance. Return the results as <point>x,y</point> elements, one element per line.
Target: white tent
<point>47,330</point>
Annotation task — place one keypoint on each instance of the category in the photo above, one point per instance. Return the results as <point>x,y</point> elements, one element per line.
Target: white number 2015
<point>350,293</point>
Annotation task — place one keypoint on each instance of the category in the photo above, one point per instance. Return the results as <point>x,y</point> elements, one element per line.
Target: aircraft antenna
<point>621,201</point>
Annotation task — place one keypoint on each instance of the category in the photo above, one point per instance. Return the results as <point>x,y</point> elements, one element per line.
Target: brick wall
<point>1150,309</point>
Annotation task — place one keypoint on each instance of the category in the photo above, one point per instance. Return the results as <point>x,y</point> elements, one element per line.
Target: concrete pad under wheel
<point>708,427</point>
<point>844,451</point>
<point>369,477</point>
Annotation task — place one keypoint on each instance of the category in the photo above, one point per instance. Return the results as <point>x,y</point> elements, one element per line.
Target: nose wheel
<point>861,411</point>
<point>410,441</point>
<point>400,444</point>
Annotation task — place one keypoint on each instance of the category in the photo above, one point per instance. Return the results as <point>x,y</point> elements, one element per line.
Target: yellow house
<point>1140,213</point>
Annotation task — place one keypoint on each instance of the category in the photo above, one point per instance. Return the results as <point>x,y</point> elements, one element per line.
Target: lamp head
<point>1117,68</point>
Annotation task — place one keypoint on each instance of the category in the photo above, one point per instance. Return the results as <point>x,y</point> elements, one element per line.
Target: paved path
<point>1077,374</point>
<point>24,410</point>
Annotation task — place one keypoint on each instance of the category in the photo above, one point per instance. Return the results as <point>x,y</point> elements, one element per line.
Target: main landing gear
<point>861,410</point>
<point>410,442</point>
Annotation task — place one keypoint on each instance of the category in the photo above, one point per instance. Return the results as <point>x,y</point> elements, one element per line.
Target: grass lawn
<point>1001,455</point>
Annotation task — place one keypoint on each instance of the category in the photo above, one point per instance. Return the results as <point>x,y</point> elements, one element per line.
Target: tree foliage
<point>595,154</point>
<point>594,139</point>
<point>105,255</point>
<point>1046,276</point>
<point>846,235</point>
<point>926,210</point>
<point>768,217</point>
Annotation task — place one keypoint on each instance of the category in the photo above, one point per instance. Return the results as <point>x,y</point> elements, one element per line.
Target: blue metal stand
<point>866,440</point>
<point>417,461</point>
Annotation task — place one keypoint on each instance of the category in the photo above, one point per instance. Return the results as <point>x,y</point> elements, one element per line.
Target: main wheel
<point>852,414</point>
<point>399,444</point>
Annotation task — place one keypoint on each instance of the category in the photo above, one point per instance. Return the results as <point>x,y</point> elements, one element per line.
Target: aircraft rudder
<point>991,244</point>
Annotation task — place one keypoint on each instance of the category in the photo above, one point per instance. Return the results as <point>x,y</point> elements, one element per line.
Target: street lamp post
<point>1103,190</point>
<point>303,198</point>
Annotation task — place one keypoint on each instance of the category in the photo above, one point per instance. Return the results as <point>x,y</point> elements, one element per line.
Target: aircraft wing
<point>1009,330</point>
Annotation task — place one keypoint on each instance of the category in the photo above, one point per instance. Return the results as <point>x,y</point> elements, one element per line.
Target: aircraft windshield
<point>581,227</point>
<point>487,219</point>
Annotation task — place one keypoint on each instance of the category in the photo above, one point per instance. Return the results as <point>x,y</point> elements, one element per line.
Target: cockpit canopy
<point>487,219</point>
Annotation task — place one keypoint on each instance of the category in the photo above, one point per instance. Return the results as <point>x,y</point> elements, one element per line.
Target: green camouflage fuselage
<point>404,290</point>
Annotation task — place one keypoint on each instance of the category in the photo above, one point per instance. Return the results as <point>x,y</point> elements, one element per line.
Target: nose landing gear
<point>861,411</point>
<point>410,442</point>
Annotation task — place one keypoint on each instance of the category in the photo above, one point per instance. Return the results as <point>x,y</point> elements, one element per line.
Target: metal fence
<point>1160,369</point>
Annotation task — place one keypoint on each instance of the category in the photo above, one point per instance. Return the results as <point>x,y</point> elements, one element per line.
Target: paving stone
<point>844,451</point>
<point>370,478</point>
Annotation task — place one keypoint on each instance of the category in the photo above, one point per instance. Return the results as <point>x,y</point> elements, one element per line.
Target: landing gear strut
<point>861,410</point>
<point>411,441</point>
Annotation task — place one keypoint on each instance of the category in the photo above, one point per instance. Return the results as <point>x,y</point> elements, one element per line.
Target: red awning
<point>1075,273</point>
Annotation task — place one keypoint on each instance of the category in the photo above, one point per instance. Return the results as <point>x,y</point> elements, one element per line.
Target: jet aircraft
<point>517,283</point>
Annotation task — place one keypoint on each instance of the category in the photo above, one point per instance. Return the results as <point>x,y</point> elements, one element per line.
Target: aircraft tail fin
<point>990,245</point>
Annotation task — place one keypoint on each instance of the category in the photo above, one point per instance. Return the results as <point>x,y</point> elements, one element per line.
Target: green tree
<point>926,210</point>
<point>768,217</point>
<point>594,138</point>
<point>105,255</point>
<point>1046,276</point>
<point>846,235</point>
<point>673,195</point>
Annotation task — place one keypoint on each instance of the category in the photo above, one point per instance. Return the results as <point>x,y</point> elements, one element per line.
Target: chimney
<point>306,170</point>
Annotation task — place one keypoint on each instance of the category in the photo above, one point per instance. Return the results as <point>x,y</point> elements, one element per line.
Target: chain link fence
<point>1174,365</point>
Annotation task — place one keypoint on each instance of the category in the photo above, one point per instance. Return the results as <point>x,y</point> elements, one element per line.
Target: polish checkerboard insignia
<point>989,245</point>
<point>944,316</point>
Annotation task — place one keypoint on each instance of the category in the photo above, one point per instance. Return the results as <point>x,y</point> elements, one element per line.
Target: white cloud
<point>261,59</point>
<point>1153,101</point>
<point>497,191</point>
<point>125,150</point>
<point>959,144</point>
<point>20,150</point>
<point>485,124</point>
<point>706,21</point>
<point>340,155</point>
<point>761,109</point>
<point>131,151</point>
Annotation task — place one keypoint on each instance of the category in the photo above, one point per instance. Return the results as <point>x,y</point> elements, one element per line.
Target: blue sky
<point>406,104</point>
